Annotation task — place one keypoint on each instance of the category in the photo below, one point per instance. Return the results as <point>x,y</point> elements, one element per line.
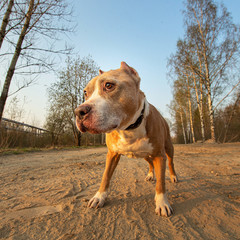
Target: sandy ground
<point>43,195</point>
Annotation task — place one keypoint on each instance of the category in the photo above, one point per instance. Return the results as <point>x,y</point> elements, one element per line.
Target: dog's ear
<point>100,72</point>
<point>131,71</point>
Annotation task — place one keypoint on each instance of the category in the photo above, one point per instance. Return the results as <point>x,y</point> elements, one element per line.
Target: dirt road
<point>43,195</point>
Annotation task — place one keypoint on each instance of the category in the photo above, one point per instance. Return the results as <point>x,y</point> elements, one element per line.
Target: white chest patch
<point>134,143</point>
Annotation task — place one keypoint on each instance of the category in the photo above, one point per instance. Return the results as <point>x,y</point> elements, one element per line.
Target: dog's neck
<point>138,121</point>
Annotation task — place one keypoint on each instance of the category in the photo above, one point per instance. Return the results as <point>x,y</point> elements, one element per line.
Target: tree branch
<point>226,95</point>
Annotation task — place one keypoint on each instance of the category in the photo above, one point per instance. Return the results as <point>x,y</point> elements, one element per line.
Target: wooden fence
<point>22,127</point>
<point>18,134</point>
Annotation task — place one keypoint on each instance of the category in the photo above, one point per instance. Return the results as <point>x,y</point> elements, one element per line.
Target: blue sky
<point>142,33</point>
<point>139,32</point>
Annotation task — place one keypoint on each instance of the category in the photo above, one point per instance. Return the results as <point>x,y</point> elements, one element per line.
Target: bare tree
<point>66,94</point>
<point>206,58</point>
<point>181,70</point>
<point>214,43</point>
<point>179,108</point>
<point>28,36</point>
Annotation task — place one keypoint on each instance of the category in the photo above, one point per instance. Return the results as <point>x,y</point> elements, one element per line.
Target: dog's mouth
<point>82,127</point>
<point>86,126</point>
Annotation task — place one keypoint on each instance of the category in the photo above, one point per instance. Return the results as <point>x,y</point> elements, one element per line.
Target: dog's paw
<point>163,207</point>
<point>150,177</point>
<point>98,200</point>
<point>174,178</point>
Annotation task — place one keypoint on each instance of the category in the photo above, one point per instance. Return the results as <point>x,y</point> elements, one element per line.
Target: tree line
<point>204,72</point>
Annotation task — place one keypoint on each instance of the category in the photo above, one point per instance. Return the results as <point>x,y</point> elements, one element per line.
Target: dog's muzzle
<point>82,111</point>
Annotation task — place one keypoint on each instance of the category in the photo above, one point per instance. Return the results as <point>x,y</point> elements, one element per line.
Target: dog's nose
<point>82,110</point>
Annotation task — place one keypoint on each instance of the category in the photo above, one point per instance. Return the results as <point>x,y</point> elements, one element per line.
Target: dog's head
<point>112,100</point>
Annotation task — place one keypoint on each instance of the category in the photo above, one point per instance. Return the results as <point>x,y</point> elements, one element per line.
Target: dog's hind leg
<point>170,152</point>
<point>150,175</point>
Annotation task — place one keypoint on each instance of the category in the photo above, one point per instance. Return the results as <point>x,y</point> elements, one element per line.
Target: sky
<point>141,33</point>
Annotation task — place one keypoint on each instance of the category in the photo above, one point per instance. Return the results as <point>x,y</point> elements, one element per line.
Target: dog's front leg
<point>99,199</point>
<point>163,207</point>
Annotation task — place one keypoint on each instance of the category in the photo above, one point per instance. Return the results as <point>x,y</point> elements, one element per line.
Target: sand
<point>43,195</point>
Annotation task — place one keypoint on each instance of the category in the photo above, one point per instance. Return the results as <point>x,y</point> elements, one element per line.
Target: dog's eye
<point>85,94</point>
<point>109,86</point>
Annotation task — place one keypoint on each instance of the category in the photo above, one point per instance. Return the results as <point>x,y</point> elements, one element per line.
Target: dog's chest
<point>134,144</point>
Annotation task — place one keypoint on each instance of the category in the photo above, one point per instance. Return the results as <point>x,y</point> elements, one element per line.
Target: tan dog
<point>115,105</point>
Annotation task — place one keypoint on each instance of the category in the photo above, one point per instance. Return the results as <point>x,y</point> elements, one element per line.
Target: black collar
<point>138,122</point>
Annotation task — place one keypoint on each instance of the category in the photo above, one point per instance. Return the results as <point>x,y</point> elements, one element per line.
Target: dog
<point>115,105</point>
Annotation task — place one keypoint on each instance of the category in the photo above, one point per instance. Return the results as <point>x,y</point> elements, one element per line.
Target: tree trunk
<point>5,21</point>
<point>200,104</point>
<point>183,128</point>
<point>208,85</point>
<point>79,135</point>
<point>15,57</point>
<point>200,107</point>
<point>191,120</point>
<point>211,114</point>
<point>201,112</point>
<point>190,112</point>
